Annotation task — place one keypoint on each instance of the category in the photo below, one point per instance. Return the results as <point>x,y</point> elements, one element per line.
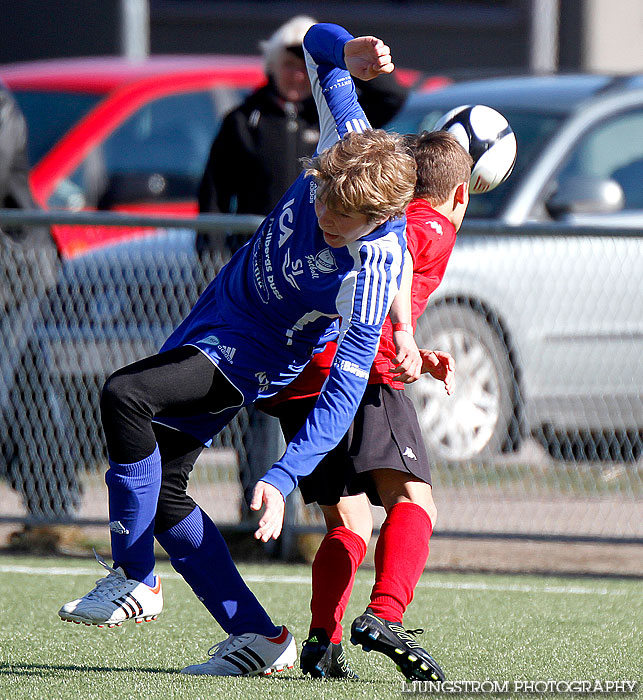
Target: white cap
<point>289,34</point>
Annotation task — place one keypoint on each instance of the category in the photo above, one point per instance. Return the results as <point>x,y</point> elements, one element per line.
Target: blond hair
<point>442,164</point>
<point>371,173</point>
<point>288,35</point>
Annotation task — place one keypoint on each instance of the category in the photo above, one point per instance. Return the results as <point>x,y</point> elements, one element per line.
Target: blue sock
<point>133,496</point>
<point>199,553</point>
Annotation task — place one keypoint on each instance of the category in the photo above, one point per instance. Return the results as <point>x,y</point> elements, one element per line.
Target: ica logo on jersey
<point>285,220</point>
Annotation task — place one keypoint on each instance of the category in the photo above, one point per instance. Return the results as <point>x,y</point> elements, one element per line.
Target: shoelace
<point>415,632</point>
<point>215,649</point>
<point>110,584</point>
<point>228,644</point>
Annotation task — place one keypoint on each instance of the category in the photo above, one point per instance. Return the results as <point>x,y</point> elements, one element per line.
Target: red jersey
<point>430,239</point>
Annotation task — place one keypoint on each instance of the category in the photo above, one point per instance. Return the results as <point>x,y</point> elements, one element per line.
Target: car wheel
<point>478,419</point>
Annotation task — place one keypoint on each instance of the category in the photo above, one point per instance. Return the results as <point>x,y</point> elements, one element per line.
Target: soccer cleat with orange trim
<point>114,600</point>
<point>248,655</point>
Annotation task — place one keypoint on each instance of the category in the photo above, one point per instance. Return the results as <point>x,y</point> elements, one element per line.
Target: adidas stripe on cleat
<point>114,600</point>
<point>323,659</point>
<point>399,644</point>
<point>248,655</point>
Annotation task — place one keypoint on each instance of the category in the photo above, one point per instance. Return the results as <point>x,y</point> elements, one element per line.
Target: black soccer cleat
<point>322,659</point>
<point>390,638</point>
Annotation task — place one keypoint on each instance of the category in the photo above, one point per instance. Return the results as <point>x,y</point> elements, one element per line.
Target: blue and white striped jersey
<point>281,297</point>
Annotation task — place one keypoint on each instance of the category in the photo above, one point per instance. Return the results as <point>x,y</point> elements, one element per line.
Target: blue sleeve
<point>332,86</point>
<point>325,44</point>
<point>363,302</point>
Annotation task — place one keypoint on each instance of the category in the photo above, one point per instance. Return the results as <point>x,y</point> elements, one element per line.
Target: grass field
<point>478,627</point>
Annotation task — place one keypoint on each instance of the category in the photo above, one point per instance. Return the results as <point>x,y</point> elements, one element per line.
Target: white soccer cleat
<point>248,655</point>
<point>114,600</point>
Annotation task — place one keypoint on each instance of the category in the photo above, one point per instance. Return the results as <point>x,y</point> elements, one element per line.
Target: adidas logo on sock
<point>117,527</point>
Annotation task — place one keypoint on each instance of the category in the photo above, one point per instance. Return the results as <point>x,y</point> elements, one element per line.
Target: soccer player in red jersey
<point>382,459</point>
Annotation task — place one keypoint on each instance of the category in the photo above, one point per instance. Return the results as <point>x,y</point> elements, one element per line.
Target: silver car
<point>542,301</point>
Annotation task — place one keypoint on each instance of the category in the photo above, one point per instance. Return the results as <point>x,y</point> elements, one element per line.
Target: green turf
<point>478,627</point>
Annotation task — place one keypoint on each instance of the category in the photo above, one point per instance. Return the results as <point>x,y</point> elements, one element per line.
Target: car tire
<point>480,418</point>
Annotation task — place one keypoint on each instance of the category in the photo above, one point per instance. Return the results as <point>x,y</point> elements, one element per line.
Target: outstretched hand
<point>366,57</point>
<point>441,366</point>
<point>272,519</point>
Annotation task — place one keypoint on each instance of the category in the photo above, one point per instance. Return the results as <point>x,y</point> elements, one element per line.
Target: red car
<point>112,134</point>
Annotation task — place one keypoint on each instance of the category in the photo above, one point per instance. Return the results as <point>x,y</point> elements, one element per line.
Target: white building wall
<point>613,37</point>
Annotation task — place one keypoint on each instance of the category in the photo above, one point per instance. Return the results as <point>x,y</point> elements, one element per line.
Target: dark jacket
<point>256,154</point>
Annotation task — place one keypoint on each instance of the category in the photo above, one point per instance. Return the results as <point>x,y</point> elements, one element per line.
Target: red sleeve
<point>430,240</point>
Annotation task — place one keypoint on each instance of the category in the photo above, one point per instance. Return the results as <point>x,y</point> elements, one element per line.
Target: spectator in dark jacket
<point>256,153</point>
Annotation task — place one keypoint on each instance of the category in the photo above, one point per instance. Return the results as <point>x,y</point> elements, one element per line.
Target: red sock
<point>337,559</point>
<point>400,555</point>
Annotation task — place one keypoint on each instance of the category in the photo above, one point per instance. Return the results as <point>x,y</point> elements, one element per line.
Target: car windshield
<point>50,115</point>
<point>532,128</point>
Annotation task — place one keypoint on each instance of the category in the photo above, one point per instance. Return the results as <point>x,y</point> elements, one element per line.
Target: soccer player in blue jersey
<point>332,249</point>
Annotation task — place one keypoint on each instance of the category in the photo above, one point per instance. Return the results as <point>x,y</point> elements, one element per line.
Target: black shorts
<point>385,434</point>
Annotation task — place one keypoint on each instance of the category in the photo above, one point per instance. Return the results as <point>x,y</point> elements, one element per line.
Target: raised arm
<point>332,56</point>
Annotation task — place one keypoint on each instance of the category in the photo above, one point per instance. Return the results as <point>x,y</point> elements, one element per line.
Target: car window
<point>612,150</point>
<point>50,115</point>
<point>533,130</point>
<point>157,155</point>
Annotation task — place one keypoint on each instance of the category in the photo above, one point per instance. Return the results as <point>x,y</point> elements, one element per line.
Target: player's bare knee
<point>396,487</point>
<point>363,529</point>
<point>425,501</point>
<point>353,515</point>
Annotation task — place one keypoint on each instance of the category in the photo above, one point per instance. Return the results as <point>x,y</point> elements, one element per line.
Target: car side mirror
<point>585,194</point>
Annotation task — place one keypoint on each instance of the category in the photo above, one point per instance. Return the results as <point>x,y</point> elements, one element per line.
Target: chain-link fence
<point>67,324</point>
<point>543,437</point>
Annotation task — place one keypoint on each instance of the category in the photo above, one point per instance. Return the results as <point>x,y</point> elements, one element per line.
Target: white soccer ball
<point>486,134</point>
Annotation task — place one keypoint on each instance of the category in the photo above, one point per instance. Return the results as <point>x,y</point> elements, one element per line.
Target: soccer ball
<point>486,134</point>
